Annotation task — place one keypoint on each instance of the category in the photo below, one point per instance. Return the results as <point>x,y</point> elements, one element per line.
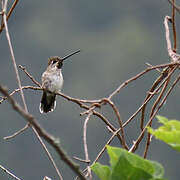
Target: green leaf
<point>137,166</point>
<point>162,119</point>
<point>128,166</point>
<point>103,172</point>
<point>124,170</point>
<point>169,132</point>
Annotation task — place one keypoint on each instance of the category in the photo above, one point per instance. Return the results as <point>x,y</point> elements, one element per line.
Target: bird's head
<point>57,62</point>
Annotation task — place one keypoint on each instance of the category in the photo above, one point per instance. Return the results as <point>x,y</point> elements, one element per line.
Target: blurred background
<point>116,39</point>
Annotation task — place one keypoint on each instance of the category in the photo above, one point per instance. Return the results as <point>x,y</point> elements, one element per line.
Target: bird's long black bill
<point>70,55</point>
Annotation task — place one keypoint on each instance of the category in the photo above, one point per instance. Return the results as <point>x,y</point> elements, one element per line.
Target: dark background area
<point>116,38</point>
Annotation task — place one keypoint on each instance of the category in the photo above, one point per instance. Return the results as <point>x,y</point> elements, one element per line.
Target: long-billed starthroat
<point>52,82</point>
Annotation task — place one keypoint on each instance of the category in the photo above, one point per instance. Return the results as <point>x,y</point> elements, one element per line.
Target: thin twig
<point>17,90</point>
<point>9,14</point>
<point>47,178</point>
<point>174,26</point>
<point>85,136</point>
<point>119,121</point>
<point>152,111</point>
<point>174,56</point>
<point>148,64</point>
<point>49,155</point>
<point>29,75</point>
<point>81,160</point>
<point>175,6</point>
<point>169,91</point>
<point>89,174</point>
<point>139,75</point>
<point>155,84</point>
<point>90,109</point>
<point>17,132</point>
<point>12,54</point>
<point>9,173</point>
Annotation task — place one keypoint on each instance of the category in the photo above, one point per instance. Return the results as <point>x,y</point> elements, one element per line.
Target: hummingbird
<point>52,82</point>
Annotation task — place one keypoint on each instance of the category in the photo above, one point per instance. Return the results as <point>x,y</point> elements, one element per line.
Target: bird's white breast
<point>57,83</point>
<point>53,81</point>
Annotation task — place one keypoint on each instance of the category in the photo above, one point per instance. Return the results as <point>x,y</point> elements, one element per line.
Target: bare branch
<point>174,26</point>
<point>17,133</point>
<point>47,178</point>
<point>81,160</point>
<point>49,155</point>
<point>9,173</point>
<point>9,14</point>
<point>152,111</point>
<point>119,121</point>
<point>155,84</point>
<point>85,136</point>
<point>89,174</point>
<point>30,76</point>
<point>175,6</point>
<point>174,56</point>
<point>17,90</point>
<point>12,54</point>
<point>50,139</point>
<point>141,74</point>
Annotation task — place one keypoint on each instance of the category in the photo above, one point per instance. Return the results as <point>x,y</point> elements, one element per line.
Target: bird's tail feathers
<point>48,102</point>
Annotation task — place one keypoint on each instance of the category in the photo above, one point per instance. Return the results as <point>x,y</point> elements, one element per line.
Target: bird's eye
<point>54,61</point>
<point>59,65</point>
